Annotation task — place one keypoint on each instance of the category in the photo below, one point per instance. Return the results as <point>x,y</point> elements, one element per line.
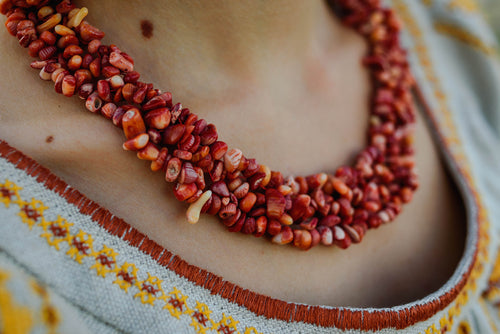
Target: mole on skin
<point>49,139</point>
<point>147,28</point>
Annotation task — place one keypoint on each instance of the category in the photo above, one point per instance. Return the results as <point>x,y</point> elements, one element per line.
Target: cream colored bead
<point>44,12</point>
<point>73,12</point>
<point>78,17</point>
<point>63,30</point>
<point>50,23</point>
<point>264,169</point>
<point>194,210</point>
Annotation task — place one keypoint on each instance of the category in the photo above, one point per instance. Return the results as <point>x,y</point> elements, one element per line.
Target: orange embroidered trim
<point>81,245</point>
<point>454,148</point>
<point>464,36</point>
<point>258,304</point>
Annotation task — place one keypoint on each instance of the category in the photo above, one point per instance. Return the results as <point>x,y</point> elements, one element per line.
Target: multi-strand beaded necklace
<point>247,196</point>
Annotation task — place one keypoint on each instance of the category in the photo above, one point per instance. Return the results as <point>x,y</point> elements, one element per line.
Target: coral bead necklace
<point>329,209</point>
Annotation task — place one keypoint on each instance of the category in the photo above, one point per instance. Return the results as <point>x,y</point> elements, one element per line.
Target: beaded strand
<point>331,209</point>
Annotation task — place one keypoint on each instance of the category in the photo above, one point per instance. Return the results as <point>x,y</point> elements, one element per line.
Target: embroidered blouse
<point>69,265</point>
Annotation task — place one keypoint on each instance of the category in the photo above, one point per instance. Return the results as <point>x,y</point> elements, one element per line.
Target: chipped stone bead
<point>187,174</point>
<point>85,90</point>
<point>238,225</point>
<point>158,118</point>
<point>150,152</point>
<point>136,143</point>
<point>159,162</point>
<point>77,17</point>
<point>173,134</point>
<point>273,227</point>
<point>119,61</point>
<point>267,175</point>
<point>218,150</point>
<point>63,30</point>
<point>184,155</point>
<point>132,123</point>
<point>93,103</point>
<point>309,224</point>
<point>68,85</point>
<point>260,226</point>
<point>228,210</point>
<point>285,236</point>
<point>275,202</point>
<point>194,210</point>
<point>302,239</point>
<point>215,206</point>
<point>184,191</point>
<point>242,190</point>
<point>247,202</point>
<point>352,232</point>
<point>326,235</point>
<point>209,135</point>
<point>250,226</point>
<point>232,159</point>
<point>285,219</point>
<point>89,33</point>
<point>49,23</point>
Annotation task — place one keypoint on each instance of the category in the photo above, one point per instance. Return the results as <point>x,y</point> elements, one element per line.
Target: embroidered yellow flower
<point>150,289</point>
<point>32,212</point>
<point>105,261</point>
<point>9,193</point>
<point>56,231</point>
<point>226,326</point>
<point>175,302</point>
<point>251,330</point>
<point>201,318</point>
<point>126,275</point>
<point>80,246</point>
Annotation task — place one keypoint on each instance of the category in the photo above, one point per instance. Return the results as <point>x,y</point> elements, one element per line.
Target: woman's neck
<point>235,37</point>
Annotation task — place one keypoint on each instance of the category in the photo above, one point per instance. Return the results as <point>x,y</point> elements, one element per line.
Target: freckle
<point>147,29</point>
<point>49,139</point>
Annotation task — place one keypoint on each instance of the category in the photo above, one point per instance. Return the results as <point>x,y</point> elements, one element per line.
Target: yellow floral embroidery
<point>80,246</point>
<point>56,231</point>
<point>175,303</point>
<point>32,212</point>
<point>226,326</point>
<point>201,320</point>
<point>105,261</point>
<point>60,235</point>
<point>9,193</point>
<point>126,276</point>
<point>16,319</point>
<point>150,290</point>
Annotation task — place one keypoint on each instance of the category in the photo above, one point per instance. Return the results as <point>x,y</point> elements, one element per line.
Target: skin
<point>282,81</point>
